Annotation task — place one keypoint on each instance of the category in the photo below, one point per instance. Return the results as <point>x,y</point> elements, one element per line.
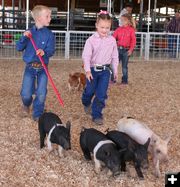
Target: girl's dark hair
<point>131,20</point>
<point>104,15</point>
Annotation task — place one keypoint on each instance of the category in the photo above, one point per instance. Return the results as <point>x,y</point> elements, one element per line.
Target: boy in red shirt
<point>126,41</point>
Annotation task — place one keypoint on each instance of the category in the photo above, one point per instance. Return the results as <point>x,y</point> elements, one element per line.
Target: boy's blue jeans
<point>98,88</point>
<point>34,82</point>
<point>123,57</point>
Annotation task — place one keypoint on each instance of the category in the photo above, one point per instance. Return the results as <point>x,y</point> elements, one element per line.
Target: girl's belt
<point>98,67</point>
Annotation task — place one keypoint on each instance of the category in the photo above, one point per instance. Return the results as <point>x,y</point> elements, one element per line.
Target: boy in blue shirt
<point>35,78</point>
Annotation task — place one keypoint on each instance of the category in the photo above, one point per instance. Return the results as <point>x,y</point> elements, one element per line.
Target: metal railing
<point>69,45</point>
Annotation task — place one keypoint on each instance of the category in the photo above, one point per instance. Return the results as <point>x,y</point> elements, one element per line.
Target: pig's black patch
<point>134,151</point>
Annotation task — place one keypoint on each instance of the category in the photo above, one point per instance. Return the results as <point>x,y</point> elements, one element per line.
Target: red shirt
<point>125,36</point>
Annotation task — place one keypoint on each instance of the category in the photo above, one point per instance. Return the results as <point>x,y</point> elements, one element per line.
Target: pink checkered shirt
<point>100,51</point>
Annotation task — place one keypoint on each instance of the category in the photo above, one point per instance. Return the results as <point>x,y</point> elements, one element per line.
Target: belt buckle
<point>121,47</point>
<point>96,66</point>
<point>36,65</point>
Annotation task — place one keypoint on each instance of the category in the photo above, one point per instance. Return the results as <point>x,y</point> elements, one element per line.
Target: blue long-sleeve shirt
<point>44,39</point>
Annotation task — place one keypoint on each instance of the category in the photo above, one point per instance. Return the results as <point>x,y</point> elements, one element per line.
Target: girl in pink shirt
<point>100,51</point>
<point>126,41</point>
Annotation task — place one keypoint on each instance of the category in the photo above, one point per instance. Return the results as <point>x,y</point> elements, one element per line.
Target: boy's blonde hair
<point>36,11</point>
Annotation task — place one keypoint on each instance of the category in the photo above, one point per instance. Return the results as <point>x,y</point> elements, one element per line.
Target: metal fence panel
<point>139,51</point>
<point>163,46</point>
<point>60,45</point>
<point>69,45</point>
<point>8,39</point>
<point>77,41</point>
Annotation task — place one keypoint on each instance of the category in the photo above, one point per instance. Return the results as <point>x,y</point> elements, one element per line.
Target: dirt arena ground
<point>153,96</point>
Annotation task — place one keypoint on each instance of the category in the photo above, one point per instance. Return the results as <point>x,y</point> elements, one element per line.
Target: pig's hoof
<point>157,174</point>
<point>109,173</point>
<point>61,155</point>
<point>141,178</point>
<point>50,150</point>
<point>97,170</point>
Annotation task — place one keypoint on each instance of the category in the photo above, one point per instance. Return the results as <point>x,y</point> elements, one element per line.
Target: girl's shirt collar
<point>97,35</point>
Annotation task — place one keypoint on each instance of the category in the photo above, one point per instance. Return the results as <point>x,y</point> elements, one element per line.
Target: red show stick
<point>46,70</point>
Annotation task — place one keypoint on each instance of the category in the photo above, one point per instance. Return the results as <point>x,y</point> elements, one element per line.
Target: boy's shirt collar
<point>36,29</point>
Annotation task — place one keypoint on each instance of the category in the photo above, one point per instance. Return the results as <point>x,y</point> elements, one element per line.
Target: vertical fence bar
<point>142,45</point>
<point>110,6</point>
<point>141,15</point>
<point>67,44</point>
<point>27,14</point>
<point>149,14</point>
<point>147,46</point>
<point>13,14</point>
<point>67,16</point>
<point>3,14</point>
<point>177,46</point>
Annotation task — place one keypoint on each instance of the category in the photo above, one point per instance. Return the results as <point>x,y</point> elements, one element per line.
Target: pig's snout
<point>115,170</point>
<point>67,146</point>
<point>165,159</point>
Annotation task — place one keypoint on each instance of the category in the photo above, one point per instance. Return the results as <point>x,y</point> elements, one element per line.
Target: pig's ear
<point>68,125</point>
<point>147,143</point>
<point>168,139</point>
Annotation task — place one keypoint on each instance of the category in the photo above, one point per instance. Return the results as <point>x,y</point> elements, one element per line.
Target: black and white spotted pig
<point>50,125</point>
<point>104,150</point>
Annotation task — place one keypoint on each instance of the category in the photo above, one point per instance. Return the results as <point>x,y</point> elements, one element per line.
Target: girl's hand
<point>40,52</point>
<point>129,53</point>
<point>27,34</point>
<point>89,76</point>
<point>115,77</point>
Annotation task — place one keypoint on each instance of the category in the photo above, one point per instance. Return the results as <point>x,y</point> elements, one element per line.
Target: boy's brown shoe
<point>98,121</point>
<point>25,111</point>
